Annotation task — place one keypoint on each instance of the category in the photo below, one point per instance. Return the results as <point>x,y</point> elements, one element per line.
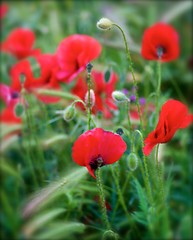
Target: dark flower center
<point>14,95</point>
<point>97,162</point>
<point>160,51</point>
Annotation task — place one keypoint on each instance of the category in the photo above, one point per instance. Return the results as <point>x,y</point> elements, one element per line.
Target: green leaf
<point>7,129</point>
<point>41,220</point>
<point>61,230</point>
<point>142,197</point>
<point>52,191</point>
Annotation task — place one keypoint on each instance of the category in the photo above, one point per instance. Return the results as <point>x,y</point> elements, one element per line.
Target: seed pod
<point>132,160</point>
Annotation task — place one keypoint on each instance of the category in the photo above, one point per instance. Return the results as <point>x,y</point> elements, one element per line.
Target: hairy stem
<point>102,199</point>
<point>132,73</point>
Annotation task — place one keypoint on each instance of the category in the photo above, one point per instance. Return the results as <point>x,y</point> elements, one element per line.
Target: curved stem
<point>121,199</point>
<point>159,172</point>
<point>132,72</point>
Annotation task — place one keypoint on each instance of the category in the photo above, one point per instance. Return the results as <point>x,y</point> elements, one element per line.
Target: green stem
<point>159,172</point>
<point>129,124</point>
<point>132,73</point>
<point>102,199</point>
<point>56,93</point>
<point>121,199</point>
<point>89,101</point>
<point>158,87</point>
<point>29,159</point>
<point>147,181</point>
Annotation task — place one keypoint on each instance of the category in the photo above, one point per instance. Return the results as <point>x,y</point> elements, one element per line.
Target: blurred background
<point>61,214</point>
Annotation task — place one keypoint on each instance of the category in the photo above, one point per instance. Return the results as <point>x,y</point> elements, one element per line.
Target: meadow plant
<point>81,145</point>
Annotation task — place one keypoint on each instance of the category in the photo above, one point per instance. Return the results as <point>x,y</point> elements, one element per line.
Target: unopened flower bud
<point>104,24</point>
<point>69,113</point>
<point>19,110</point>
<point>92,99</point>
<point>119,96</point>
<point>132,161</point>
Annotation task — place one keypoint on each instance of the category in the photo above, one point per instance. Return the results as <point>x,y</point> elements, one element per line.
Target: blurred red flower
<point>11,99</point>
<point>73,53</point>
<point>160,41</point>
<point>146,110</point>
<point>173,116</point>
<point>20,43</point>
<point>3,10</point>
<point>103,90</point>
<point>96,148</point>
<point>44,66</point>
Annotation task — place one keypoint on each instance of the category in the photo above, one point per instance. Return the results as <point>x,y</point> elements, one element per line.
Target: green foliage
<point>43,194</point>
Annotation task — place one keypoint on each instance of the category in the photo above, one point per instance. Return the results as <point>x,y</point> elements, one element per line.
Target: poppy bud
<point>69,113</point>
<point>104,24</point>
<point>119,96</point>
<point>92,99</point>
<point>19,110</point>
<point>132,161</point>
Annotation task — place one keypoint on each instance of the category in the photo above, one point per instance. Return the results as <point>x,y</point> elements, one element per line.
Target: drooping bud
<point>104,24</point>
<point>90,103</point>
<point>119,96</point>
<point>132,161</point>
<point>68,113</point>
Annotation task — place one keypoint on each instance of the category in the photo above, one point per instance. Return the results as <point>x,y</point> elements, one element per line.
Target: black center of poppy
<point>97,162</point>
<point>160,51</point>
<point>14,95</point>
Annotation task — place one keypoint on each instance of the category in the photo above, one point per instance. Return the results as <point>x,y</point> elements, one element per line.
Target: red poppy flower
<point>160,41</point>
<point>45,64</point>
<point>20,43</point>
<point>173,116</point>
<point>11,99</point>
<point>74,53</point>
<point>103,91</point>
<point>96,148</point>
<point>3,10</point>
